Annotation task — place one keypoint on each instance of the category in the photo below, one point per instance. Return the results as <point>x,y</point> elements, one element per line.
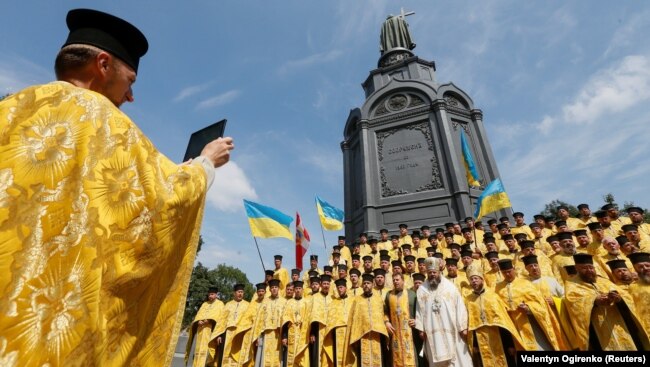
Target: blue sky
<point>564,88</point>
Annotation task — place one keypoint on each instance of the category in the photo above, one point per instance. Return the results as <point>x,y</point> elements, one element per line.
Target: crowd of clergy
<point>463,295</point>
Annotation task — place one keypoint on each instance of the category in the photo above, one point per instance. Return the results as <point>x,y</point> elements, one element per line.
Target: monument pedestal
<point>402,155</point>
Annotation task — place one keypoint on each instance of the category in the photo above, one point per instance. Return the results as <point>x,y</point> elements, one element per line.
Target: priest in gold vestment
<point>295,328</point>
<point>492,337</point>
<point>319,304</point>
<point>595,304</point>
<point>98,229</point>
<point>272,319</point>
<point>641,289</point>
<point>399,316</point>
<point>366,337</point>
<point>334,345</point>
<point>222,335</point>
<point>246,337</point>
<point>538,327</point>
<point>208,316</point>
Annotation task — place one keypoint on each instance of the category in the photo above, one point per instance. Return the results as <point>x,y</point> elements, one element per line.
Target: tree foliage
<point>4,96</point>
<point>550,208</point>
<point>223,277</point>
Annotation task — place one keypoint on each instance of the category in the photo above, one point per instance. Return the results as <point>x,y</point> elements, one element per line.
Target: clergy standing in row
<point>399,316</point>
<point>334,345</point>
<point>205,320</point>
<point>223,333</point>
<point>441,319</point>
<point>295,328</point>
<point>367,336</point>
<point>493,338</point>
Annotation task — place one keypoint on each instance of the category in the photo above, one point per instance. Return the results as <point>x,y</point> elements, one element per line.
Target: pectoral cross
<point>436,305</point>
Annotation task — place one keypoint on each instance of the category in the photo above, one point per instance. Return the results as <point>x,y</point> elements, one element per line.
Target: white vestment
<point>442,315</point>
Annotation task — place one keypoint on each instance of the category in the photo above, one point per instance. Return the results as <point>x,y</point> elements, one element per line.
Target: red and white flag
<point>302,241</point>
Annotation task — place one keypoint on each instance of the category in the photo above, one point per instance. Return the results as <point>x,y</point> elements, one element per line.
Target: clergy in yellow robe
<point>334,345</point>
<point>281,274</point>
<point>529,311</point>
<point>208,316</point>
<point>318,311</point>
<point>222,336</point>
<point>367,335</point>
<point>272,319</point>
<point>594,303</point>
<point>640,290</point>
<point>399,316</point>
<point>97,228</point>
<point>246,336</point>
<point>492,336</point>
<point>295,328</point>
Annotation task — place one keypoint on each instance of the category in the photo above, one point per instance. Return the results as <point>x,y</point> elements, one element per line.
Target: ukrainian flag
<point>470,167</point>
<point>493,198</point>
<point>331,218</point>
<point>267,222</point>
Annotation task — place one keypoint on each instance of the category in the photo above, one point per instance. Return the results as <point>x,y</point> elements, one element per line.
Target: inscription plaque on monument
<point>407,161</point>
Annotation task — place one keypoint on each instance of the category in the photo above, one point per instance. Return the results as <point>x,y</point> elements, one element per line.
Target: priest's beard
<point>434,282</point>
<point>645,278</point>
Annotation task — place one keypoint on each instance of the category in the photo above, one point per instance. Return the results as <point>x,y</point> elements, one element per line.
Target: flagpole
<point>259,253</point>
<point>322,231</point>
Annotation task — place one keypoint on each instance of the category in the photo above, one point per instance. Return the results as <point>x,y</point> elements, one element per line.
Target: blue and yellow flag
<point>330,217</point>
<point>470,168</point>
<point>267,222</point>
<point>493,198</point>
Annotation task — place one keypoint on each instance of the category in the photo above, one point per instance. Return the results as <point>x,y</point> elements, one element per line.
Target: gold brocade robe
<point>233,312</point>
<point>523,291</point>
<point>337,319</point>
<point>607,321</point>
<point>365,330</point>
<point>401,342</point>
<point>211,312</point>
<point>492,277</point>
<point>98,233</point>
<point>487,314</point>
<point>318,312</point>
<point>271,330</point>
<point>640,292</point>
<point>296,320</point>
<point>283,276</point>
<point>248,331</point>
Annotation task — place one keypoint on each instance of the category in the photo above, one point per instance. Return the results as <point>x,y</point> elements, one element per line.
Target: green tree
<point>609,198</point>
<point>4,96</point>
<point>550,209</point>
<point>223,277</point>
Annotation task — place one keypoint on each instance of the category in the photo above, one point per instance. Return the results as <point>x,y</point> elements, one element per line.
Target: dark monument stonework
<point>401,150</point>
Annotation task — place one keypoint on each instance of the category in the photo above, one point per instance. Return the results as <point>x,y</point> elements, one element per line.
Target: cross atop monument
<point>403,14</point>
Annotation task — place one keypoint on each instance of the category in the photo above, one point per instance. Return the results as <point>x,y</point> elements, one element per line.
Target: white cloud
<point>311,60</point>
<point>190,91</point>
<point>17,73</point>
<point>230,187</point>
<point>611,90</point>
<point>219,100</point>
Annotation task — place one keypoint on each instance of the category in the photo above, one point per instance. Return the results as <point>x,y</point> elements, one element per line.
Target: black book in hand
<point>201,138</point>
